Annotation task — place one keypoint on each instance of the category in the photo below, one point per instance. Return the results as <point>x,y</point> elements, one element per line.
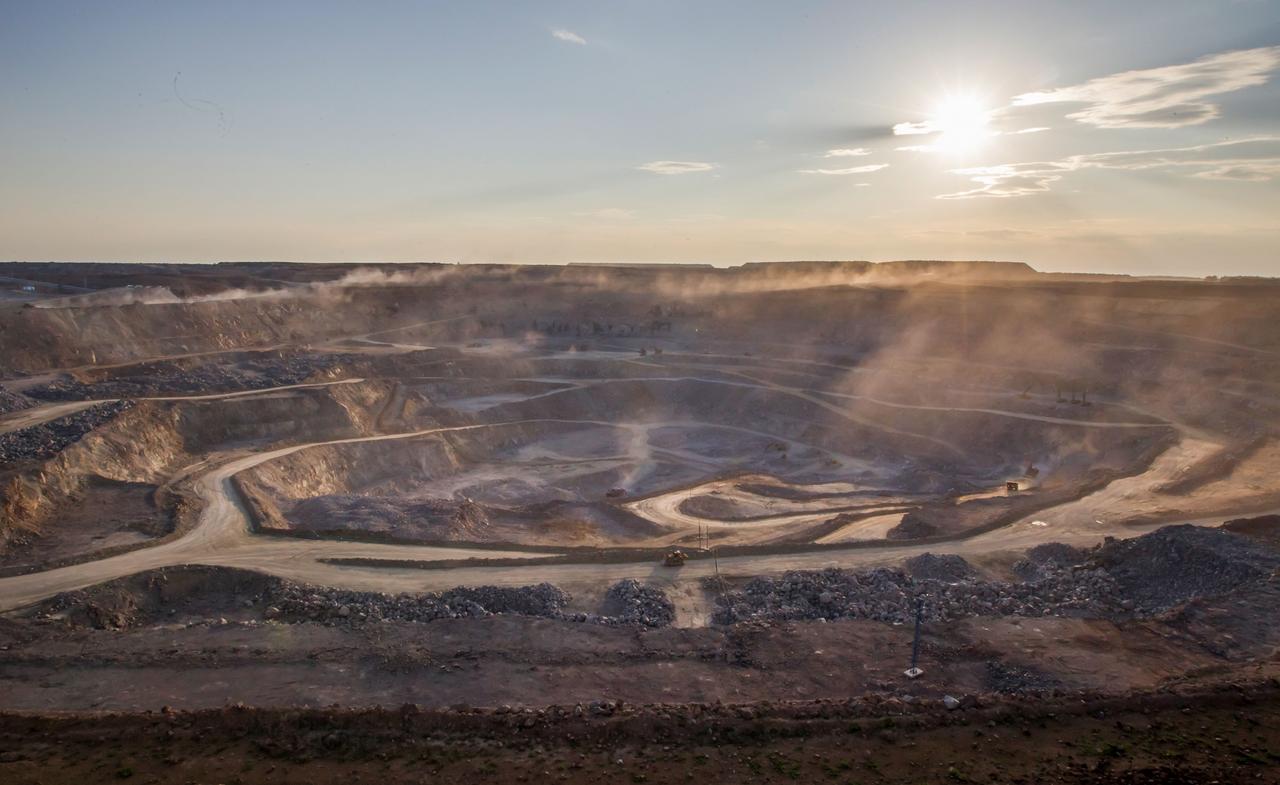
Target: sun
<point>963,125</point>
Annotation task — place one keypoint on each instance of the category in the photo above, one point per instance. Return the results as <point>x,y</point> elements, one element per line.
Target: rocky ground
<point>405,518</point>
<point>46,440</point>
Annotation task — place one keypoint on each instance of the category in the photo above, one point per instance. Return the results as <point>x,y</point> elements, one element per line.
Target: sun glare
<point>963,125</point>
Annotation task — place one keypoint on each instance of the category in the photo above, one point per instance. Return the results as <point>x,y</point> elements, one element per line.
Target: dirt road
<point>37,415</point>
<point>222,535</point>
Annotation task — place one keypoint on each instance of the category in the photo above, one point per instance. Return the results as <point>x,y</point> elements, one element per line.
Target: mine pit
<point>432,501</point>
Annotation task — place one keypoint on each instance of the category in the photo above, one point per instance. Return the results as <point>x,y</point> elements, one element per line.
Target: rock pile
<point>1162,570</point>
<point>46,440</point>
<point>200,594</point>
<point>890,595</point>
<point>631,602</point>
<point>947,568</point>
<point>1145,576</point>
<point>627,602</point>
<point>1044,559</point>
<point>293,602</point>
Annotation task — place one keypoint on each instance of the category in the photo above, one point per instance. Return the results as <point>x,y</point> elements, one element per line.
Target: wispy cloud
<point>1172,96</point>
<point>1255,159</point>
<point>568,36</point>
<point>1248,171</point>
<point>676,167</point>
<point>847,152</point>
<point>912,129</point>
<point>1167,97</point>
<point>1007,180</point>
<point>850,170</point>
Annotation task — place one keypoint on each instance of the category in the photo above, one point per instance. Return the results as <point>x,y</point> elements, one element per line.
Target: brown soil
<point>1225,734</point>
<point>104,515</point>
<point>1264,528</point>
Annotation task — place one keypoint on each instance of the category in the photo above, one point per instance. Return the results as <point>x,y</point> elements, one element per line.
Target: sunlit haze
<point>1139,137</point>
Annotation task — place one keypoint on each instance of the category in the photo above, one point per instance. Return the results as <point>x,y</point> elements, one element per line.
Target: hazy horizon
<point>1141,138</point>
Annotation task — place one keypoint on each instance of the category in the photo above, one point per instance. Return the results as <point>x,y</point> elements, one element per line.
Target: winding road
<point>222,534</point>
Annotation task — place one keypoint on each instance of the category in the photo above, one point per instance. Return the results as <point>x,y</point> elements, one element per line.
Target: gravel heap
<point>947,568</point>
<point>1046,558</point>
<point>627,602</point>
<point>48,439</point>
<point>294,602</point>
<point>1144,576</point>
<point>202,594</point>
<point>631,602</point>
<point>248,375</point>
<point>890,595</point>
<point>1161,570</point>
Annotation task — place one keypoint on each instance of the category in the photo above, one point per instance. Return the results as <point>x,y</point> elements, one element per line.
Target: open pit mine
<point>550,523</point>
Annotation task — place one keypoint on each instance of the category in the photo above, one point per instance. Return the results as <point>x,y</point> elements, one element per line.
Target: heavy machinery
<point>675,558</point>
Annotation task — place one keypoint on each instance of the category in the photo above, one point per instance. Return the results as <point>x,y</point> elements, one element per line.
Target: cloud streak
<point>913,129</point>
<point>568,36</point>
<point>1256,159</point>
<point>1168,97</point>
<point>676,167</point>
<point>846,152</point>
<point>1173,96</point>
<point>851,170</point>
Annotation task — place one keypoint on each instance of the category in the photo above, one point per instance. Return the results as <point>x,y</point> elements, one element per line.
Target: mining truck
<point>675,558</point>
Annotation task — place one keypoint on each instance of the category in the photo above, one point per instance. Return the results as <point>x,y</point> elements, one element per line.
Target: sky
<point>1132,137</point>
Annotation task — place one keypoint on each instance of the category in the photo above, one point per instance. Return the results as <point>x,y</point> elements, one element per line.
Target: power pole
<point>914,672</point>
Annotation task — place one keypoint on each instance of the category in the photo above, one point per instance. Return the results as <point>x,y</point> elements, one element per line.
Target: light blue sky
<point>474,131</point>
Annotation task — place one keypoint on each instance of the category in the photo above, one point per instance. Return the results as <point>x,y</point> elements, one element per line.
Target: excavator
<point>675,558</point>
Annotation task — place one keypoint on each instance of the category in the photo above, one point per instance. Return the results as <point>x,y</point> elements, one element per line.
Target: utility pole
<point>914,671</point>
